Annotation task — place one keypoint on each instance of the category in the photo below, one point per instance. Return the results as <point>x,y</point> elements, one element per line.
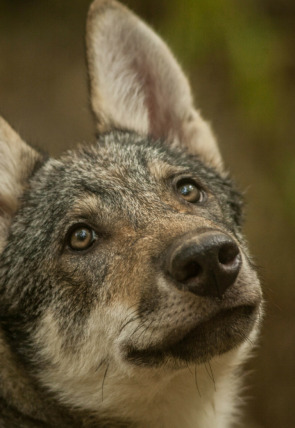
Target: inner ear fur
<point>17,162</point>
<point>137,84</point>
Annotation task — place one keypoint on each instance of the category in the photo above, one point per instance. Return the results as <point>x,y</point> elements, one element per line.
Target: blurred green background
<point>240,58</point>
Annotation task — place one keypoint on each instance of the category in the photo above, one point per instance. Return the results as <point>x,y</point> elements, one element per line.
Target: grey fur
<point>123,187</point>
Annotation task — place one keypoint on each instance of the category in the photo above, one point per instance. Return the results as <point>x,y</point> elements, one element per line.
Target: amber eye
<point>81,238</point>
<point>189,191</point>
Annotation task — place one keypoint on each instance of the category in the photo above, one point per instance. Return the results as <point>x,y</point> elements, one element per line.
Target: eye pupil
<point>189,191</point>
<point>81,235</point>
<point>81,238</point>
<point>186,189</point>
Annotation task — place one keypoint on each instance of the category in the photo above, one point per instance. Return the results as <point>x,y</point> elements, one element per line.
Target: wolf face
<point>123,267</point>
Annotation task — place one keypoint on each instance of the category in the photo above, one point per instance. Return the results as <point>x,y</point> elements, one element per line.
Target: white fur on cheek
<point>90,378</point>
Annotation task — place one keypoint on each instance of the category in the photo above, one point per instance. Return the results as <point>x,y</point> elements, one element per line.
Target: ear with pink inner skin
<point>137,84</point>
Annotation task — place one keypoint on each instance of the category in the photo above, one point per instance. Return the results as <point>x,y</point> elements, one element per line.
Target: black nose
<point>206,264</point>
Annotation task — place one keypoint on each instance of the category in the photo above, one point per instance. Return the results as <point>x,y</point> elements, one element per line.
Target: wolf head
<point>122,263</point>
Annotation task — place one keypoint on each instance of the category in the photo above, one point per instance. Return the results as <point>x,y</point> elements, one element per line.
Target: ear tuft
<point>17,163</point>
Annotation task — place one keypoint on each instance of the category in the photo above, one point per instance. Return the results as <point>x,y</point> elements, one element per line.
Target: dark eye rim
<point>72,229</point>
<point>180,181</point>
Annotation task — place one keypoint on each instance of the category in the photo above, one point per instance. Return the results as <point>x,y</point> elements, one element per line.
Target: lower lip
<point>221,333</point>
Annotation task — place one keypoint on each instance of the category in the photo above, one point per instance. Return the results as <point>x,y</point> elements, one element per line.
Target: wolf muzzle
<point>205,264</point>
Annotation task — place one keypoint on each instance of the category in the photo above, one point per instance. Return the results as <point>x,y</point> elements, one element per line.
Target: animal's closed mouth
<point>222,332</point>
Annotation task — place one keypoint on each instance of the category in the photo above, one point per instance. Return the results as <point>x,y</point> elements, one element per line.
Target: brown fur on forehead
<point>126,174</point>
<point>161,169</point>
<point>121,156</point>
<point>87,205</point>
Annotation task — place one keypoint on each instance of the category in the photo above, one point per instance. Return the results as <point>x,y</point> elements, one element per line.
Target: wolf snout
<point>206,264</point>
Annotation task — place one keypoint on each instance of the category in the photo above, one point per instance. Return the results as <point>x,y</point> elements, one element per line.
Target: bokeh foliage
<point>245,39</point>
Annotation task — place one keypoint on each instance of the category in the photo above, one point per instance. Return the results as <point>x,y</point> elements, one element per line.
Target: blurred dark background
<point>240,58</point>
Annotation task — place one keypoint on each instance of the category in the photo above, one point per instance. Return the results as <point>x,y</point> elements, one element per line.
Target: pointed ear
<point>137,84</point>
<point>17,163</point>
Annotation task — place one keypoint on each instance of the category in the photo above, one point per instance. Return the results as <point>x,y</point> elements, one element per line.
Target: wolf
<point>128,295</point>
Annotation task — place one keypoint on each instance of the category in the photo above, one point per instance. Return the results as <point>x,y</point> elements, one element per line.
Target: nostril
<point>192,270</point>
<point>183,272</point>
<point>228,253</point>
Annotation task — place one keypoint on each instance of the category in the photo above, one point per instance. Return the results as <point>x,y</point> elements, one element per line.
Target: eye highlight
<point>81,237</point>
<point>189,191</point>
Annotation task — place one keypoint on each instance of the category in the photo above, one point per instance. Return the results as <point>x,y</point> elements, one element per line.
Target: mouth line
<point>221,333</point>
